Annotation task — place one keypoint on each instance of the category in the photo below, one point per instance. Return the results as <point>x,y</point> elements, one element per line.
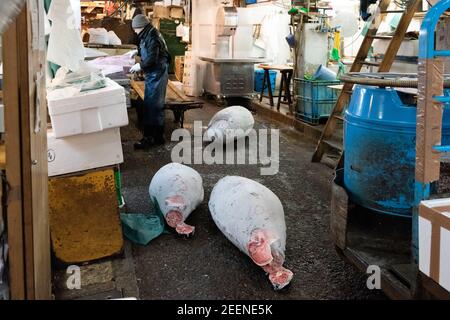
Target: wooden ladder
<point>360,60</point>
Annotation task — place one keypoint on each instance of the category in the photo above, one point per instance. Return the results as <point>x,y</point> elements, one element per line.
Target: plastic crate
<point>259,77</point>
<point>313,111</point>
<point>317,90</point>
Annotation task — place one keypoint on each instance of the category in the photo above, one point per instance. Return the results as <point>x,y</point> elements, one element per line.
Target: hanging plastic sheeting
<point>65,47</point>
<point>9,10</point>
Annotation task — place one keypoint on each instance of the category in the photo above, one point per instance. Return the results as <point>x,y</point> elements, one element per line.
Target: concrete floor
<point>208,266</point>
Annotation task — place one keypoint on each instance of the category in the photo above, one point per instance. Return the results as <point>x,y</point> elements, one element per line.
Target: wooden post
<point>26,155</point>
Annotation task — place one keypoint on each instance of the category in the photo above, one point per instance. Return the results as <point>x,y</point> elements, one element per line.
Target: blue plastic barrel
<point>259,77</point>
<point>380,150</point>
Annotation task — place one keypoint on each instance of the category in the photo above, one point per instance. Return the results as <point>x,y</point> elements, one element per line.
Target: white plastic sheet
<point>65,47</point>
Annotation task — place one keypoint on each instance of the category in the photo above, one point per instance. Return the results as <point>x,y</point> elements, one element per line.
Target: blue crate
<point>313,111</point>
<point>259,77</point>
<point>317,90</point>
<point>250,1</point>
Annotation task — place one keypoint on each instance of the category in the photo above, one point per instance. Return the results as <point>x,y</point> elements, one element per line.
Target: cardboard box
<point>87,112</point>
<point>176,13</point>
<point>179,67</point>
<point>161,12</point>
<point>83,152</point>
<point>434,240</point>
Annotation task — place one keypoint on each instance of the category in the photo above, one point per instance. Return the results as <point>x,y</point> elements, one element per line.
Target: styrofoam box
<point>83,152</point>
<point>425,242</point>
<point>88,112</point>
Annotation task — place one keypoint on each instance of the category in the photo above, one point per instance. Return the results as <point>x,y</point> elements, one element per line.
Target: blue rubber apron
<point>155,96</point>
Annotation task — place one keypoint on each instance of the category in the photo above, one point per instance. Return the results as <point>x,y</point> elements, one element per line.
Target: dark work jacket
<point>152,50</point>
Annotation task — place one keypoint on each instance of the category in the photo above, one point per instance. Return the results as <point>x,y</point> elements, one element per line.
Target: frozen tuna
<point>177,190</point>
<point>252,218</point>
<point>230,123</point>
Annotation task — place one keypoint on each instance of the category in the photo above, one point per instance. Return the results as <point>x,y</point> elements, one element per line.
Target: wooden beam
<point>35,166</point>
<point>13,163</point>
<point>26,159</point>
<point>24,83</point>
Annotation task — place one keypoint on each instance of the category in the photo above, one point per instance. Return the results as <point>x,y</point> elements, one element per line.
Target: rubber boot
<point>147,141</point>
<point>158,135</point>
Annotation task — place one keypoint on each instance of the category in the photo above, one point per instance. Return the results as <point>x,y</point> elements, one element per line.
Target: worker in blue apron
<point>155,59</point>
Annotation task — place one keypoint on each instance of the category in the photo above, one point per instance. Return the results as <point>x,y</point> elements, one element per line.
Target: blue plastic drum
<point>380,150</point>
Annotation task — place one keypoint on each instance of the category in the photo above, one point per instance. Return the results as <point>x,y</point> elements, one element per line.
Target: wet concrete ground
<point>208,266</point>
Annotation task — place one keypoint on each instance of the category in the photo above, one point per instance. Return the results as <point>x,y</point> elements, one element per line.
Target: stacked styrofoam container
<point>189,74</point>
<point>85,130</point>
<point>89,111</point>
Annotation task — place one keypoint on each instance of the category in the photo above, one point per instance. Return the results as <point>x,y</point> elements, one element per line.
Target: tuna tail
<point>271,260</point>
<point>174,218</point>
<point>279,276</point>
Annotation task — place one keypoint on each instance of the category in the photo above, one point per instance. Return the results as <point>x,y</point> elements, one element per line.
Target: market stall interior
<point>302,150</point>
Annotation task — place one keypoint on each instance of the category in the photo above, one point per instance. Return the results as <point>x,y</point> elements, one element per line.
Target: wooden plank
<point>13,163</point>
<point>432,288</point>
<point>172,94</point>
<point>2,157</point>
<point>338,218</point>
<point>139,87</point>
<point>391,286</point>
<point>38,188</point>
<point>176,92</point>
<point>277,67</point>
<point>26,163</point>
<point>24,98</point>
